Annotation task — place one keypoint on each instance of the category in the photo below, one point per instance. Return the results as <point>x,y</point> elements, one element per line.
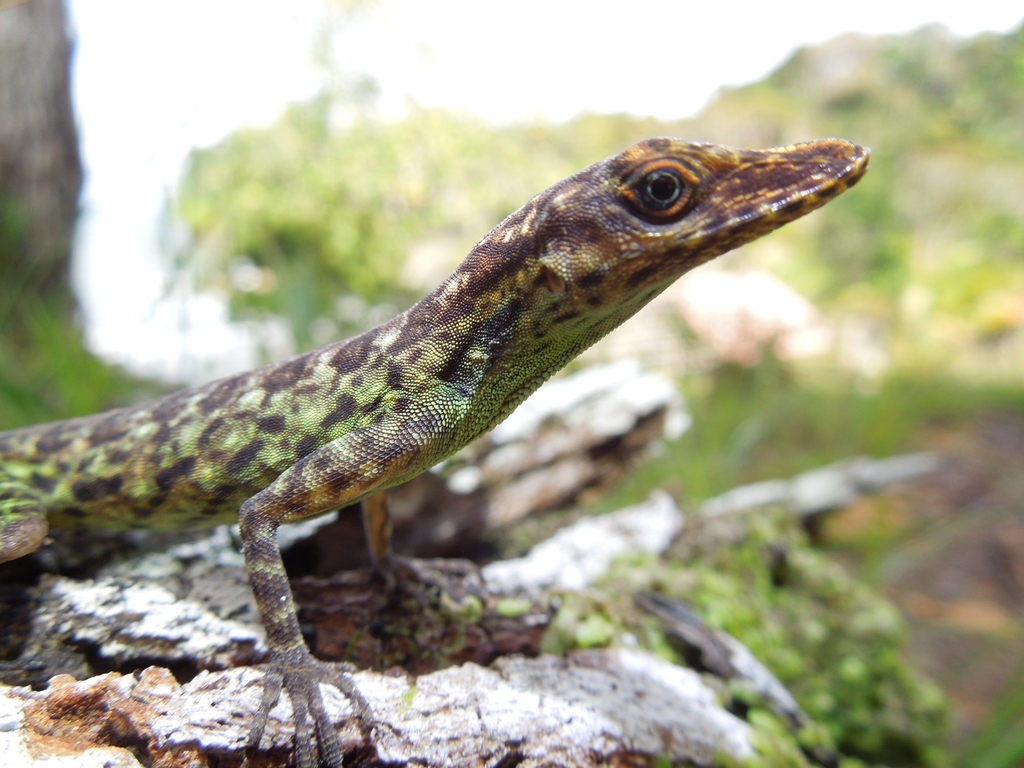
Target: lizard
<point>343,423</point>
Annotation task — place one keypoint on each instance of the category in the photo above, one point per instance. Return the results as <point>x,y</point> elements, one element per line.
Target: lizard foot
<point>458,578</point>
<point>300,675</point>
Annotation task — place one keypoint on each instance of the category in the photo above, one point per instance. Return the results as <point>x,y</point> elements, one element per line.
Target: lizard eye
<point>661,190</point>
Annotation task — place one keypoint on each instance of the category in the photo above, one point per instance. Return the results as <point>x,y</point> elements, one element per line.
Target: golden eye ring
<point>661,190</point>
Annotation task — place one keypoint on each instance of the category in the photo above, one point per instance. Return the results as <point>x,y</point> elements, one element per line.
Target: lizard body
<point>342,423</point>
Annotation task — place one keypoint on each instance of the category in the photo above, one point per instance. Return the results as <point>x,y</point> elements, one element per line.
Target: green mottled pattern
<point>410,392</point>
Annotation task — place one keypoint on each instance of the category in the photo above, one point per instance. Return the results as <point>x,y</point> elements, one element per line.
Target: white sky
<point>153,79</point>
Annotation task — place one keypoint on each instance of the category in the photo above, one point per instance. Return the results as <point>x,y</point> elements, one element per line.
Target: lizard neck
<point>494,331</point>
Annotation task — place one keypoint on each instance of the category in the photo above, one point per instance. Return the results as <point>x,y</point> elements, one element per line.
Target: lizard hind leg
<point>23,524</point>
<point>456,577</point>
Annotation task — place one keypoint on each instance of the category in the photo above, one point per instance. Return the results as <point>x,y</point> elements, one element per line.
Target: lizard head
<point>629,225</point>
<point>583,256</point>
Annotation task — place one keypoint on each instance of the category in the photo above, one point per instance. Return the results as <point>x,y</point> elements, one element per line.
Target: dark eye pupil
<point>663,189</point>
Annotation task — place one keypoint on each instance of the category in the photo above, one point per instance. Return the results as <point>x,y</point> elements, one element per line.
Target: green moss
<point>830,639</point>
<point>407,699</point>
<point>774,748</point>
<point>580,616</point>
<point>468,610</point>
<point>771,750</point>
<point>595,631</point>
<point>510,607</point>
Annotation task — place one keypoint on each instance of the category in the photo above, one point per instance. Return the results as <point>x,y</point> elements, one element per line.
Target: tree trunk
<point>40,168</point>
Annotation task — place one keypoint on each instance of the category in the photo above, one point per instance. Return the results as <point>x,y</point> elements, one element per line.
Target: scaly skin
<point>344,422</point>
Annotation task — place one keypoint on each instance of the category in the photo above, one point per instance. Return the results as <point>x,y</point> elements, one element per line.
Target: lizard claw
<point>301,675</point>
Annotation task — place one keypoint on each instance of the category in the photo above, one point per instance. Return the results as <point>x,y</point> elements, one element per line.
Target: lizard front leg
<point>326,479</point>
<point>292,666</point>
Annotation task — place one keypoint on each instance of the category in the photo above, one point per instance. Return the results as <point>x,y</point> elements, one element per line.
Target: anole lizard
<point>341,424</point>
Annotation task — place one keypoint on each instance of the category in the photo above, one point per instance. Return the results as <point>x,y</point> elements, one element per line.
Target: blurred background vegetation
<point>45,370</point>
<point>332,220</point>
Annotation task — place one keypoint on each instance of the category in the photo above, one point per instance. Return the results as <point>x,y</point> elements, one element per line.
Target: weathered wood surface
<point>595,708</point>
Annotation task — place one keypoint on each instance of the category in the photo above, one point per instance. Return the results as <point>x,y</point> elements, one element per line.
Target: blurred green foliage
<point>46,372</point>
<point>931,242</point>
<point>329,203</point>
<point>1000,743</point>
<point>753,424</point>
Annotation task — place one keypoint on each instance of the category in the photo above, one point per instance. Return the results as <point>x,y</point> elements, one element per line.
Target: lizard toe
<point>316,740</point>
